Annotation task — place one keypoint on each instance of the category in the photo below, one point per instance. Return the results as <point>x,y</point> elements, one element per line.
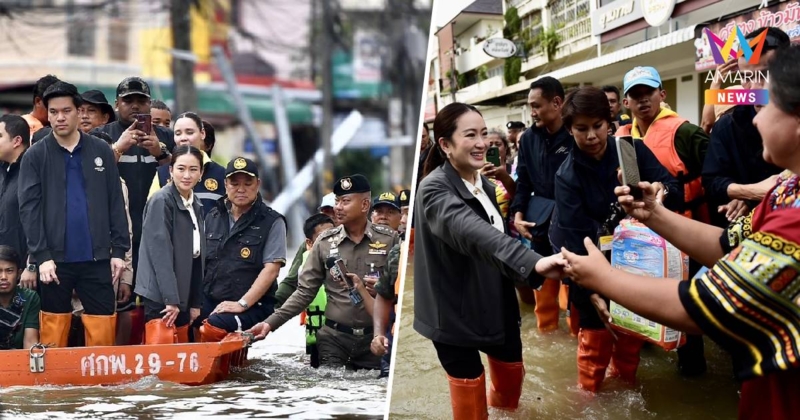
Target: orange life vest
<point>660,139</point>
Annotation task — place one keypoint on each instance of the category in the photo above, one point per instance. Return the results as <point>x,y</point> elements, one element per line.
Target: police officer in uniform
<point>246,242</point>
<point>364,247</point>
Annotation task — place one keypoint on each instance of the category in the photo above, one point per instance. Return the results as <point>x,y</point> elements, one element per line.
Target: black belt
<point>349,330</point>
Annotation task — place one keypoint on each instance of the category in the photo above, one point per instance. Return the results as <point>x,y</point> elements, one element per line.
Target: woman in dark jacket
<point>172,253</point>
<point>465,268</point>
<point>584,190</point>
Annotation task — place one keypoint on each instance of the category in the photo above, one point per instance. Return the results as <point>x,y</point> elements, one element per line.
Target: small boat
<point>185,363</point>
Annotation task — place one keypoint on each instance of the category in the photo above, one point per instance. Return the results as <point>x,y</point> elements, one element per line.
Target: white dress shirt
<point>477,190</point>
<point>196,232</point>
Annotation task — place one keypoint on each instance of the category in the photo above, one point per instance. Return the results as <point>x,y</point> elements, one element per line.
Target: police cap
<point>386,199</point>
<point>404,199</point>
<point>243,166</point>
<point>351,184</point>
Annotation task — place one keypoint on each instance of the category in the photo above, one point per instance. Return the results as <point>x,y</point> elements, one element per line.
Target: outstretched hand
<point>551,267</point>
<point>586,270</point>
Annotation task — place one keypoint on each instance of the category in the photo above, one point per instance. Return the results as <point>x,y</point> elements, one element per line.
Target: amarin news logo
<point>750,51</point>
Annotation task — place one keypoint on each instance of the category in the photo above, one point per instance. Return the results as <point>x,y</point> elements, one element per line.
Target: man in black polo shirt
<point>74,251</point>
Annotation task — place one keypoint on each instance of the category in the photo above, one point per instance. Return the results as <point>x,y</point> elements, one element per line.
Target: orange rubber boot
<point>468,398</point>
<point>547,305</point>
<point>54,328</point>
<point>210,333</point>
<point>594,354</point>
<point>137,326</point>
<point>411,241</point>
<point>157,332</point>
<point>182,334</point>
<point>506,384</point>
<point>625,357</point>
<point>100,330</point>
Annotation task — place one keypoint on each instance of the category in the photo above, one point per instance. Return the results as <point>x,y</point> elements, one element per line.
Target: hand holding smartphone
<point>144,123</point>
<point>626,153</point>
<point>493,155</point>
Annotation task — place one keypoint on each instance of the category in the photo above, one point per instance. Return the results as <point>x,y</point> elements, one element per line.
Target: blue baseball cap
<point>647,76</point>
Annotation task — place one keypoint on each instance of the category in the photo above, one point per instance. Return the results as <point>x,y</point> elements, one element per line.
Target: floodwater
<point>420,388</point>
<point>277,383</point>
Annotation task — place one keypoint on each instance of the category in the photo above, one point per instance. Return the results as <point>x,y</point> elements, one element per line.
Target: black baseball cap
<point>386,199</point>
<point>404,199</point>
<point>133,86</point>
<point>515,124</point>
<point>96,97</point>
<point>241,165</point>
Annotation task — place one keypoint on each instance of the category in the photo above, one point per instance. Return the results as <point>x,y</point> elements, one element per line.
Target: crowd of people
<point>724,192</point>
<point>117,228</point>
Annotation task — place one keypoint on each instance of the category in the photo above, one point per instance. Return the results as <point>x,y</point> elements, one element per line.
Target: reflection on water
<point>420,388</point>
<point>277,383</point>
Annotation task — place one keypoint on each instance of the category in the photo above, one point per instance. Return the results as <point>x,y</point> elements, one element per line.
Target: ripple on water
<point>420,388</point>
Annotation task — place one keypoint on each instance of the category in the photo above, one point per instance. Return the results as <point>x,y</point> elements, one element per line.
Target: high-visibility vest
<point>660,139</point>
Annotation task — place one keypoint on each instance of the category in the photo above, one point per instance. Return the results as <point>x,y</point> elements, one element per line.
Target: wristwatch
<point>243,303</point>
<point>164,153</point>
<point>31,268</point>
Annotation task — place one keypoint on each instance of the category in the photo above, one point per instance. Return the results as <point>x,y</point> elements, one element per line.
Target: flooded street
<point>550,391</point>
<point>277,383</point>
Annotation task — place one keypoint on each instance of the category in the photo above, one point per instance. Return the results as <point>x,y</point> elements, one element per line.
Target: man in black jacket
<point>14,140</point>
<point>138,154</point>
<point>74,251</point>
<point>542,149</point>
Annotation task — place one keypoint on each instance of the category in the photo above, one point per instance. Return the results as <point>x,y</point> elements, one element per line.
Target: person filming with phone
<point>340,259</point>
<point>584,192</point>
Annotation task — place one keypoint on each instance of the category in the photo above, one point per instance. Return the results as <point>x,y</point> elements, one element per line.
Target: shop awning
<point>655,44</point>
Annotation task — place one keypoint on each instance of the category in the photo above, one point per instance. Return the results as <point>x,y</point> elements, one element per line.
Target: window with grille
<point>532,24</point>
<point>118,40</point>
<point>495,71</point>
<point>571,19</point>
<point>81,27</point>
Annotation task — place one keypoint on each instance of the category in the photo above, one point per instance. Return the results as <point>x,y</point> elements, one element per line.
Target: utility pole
<point>182,66</point>
<point>326,131</point>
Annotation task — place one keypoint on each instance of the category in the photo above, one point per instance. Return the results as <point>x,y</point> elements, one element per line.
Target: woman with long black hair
<point>466,266</point>
<point>171,261</point>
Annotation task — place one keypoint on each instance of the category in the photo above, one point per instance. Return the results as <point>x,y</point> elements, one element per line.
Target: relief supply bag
<point>638,250</point>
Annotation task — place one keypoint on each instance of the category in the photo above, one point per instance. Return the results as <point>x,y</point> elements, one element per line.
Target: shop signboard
<point>499,48</point>
<point>657,12</point>
<point>785,16</point>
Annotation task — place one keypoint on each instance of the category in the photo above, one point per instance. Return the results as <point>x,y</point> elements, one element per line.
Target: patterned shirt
<point>749,302</point>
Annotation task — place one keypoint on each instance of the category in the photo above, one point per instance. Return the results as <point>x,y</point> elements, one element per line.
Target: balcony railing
<point>474,57</point>
<point>575,31</point>
<point>487,86</point>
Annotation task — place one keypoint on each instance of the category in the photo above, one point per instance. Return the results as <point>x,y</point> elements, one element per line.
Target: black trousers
<point>91,280</point>
<point>465,362</point>
<point>152,310</point>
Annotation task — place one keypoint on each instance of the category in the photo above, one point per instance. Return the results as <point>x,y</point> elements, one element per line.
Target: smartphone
<point>144,122</point>
<point>626,153</point>
<point>342,269</point>
<point>493,155</point>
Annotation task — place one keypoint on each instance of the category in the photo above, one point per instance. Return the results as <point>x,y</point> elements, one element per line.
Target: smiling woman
<point>466,266</point>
